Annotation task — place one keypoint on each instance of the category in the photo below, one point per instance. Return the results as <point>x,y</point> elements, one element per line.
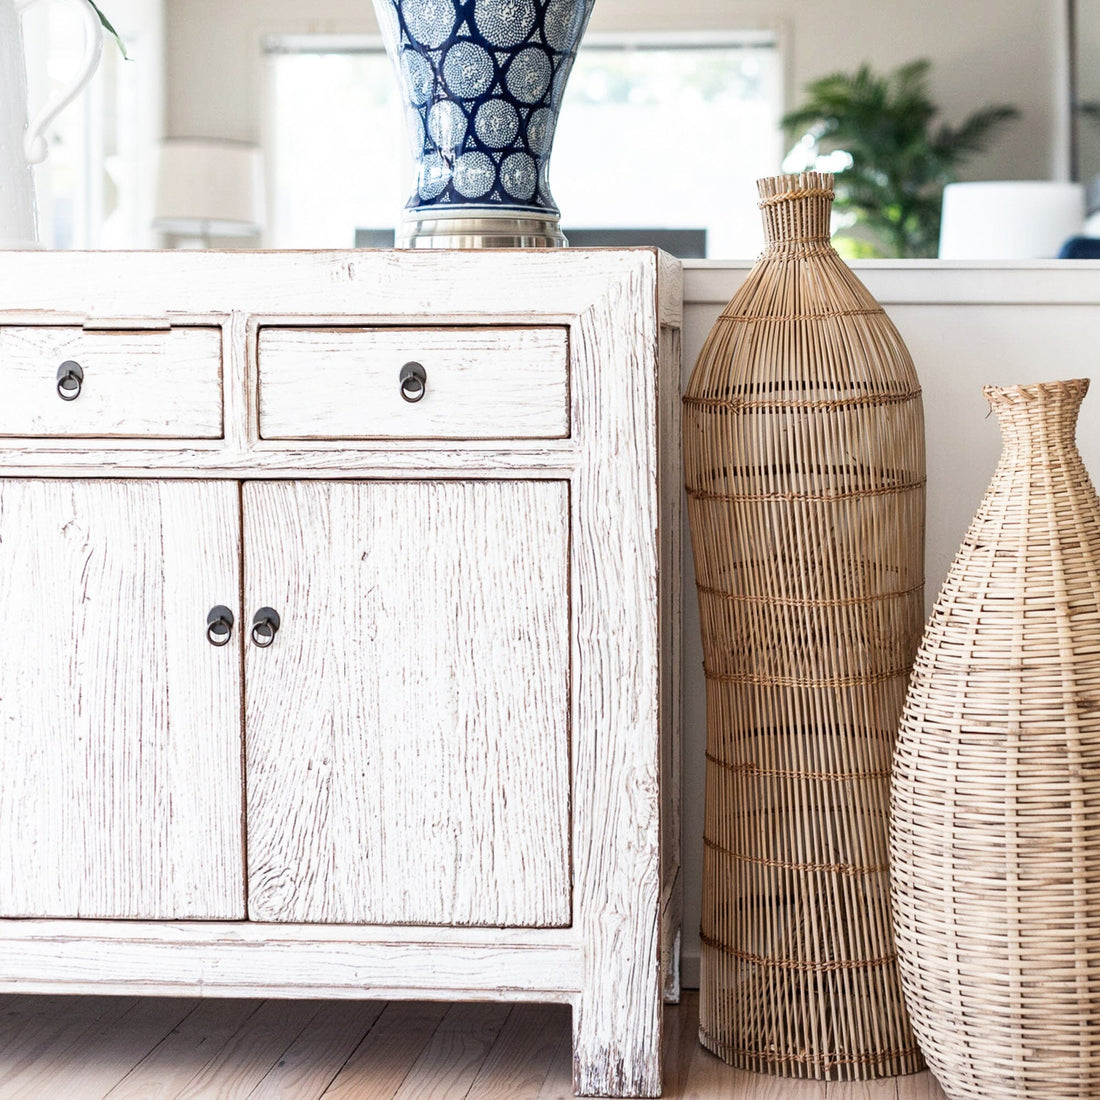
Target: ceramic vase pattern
<point>804,460</point>
<point>483,82</point>
<point>995,815</point>
<point>21,142</point>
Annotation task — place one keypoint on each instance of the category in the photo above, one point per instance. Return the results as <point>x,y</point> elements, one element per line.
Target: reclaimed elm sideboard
<point>340,595</point>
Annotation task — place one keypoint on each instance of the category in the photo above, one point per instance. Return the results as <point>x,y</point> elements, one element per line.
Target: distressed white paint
<point>616,659</point>
<point>621,310</point>
<point>262,960</point>
<point>120,745</point>
<point>140,384</point>
<point>482,383</point>
<point>670,488</point>
<point>407,731</point>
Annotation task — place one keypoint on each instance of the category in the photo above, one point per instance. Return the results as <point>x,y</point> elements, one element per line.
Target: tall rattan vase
<point>804,452</point>
<point>996,805</point>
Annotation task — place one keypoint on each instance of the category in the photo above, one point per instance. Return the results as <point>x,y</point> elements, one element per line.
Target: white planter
<point>21,142</point>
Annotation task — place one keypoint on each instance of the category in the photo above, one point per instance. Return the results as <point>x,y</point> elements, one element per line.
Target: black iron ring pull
<point>414,381</point>
<point>219,625</point>
<point>265,624</point>
<point>70,377</point>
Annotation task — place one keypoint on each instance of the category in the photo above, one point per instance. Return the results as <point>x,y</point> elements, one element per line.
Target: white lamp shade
<point>1009,219</point>
<point>209,188</point>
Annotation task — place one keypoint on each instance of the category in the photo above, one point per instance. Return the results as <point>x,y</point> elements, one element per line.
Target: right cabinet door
<point>407,731</point>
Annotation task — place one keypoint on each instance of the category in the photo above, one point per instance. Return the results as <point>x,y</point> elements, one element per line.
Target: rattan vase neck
<point>796,211</point>
<point>1042,417</point>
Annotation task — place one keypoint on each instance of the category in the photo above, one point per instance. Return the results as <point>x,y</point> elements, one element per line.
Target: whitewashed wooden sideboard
<point>339,626</point>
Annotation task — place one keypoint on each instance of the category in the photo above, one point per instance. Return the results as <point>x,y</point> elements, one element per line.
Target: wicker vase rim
<point>1074,388</point>
<point>797,185</point>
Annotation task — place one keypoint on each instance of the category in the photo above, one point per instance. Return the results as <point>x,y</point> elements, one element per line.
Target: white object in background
<point>1009,219</point>
<point>23,144</point>
<point>209,188</point>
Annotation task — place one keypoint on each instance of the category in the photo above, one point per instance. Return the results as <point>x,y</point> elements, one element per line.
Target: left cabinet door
<point>120,722</point>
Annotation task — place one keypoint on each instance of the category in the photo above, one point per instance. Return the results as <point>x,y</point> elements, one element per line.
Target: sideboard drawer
<point>480,383</point>
<point>153,383</point>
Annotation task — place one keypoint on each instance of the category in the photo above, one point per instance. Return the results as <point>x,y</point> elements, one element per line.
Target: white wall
<point>983,51</point>
<point>967,326</point>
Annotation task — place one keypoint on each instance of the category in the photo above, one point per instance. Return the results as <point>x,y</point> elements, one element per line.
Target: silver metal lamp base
<point>476,228</point>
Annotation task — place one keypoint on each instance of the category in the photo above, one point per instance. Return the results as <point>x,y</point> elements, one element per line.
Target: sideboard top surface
<point>444,285</point>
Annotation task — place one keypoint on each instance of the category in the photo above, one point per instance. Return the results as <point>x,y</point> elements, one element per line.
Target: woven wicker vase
<point>804,450</point>
<point>996,804</point>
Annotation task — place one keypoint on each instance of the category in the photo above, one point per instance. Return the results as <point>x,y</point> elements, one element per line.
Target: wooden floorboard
<point>559,1077</point>
<point>92,1048</point>
<point>60,1046</point>
<point>314,1059</point>
<point>449,1064</point>
<point>519,1061</point>
<point>111,1046</point>
<point>248,1057</point>
<point>382,1061</point>
<point>189,1047</point>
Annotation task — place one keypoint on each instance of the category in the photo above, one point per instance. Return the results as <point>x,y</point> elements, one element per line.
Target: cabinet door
<point>408,729</point>
<point>120,739</point>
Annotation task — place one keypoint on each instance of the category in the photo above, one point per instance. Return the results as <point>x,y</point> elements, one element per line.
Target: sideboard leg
<point>616,1045</point>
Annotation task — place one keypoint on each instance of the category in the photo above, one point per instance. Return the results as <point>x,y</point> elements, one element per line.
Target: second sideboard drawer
<point>70,381</point>
<point>458,383</point>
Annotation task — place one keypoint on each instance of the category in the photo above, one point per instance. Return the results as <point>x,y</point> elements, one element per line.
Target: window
<point>657,131</point>
<point>660,132</point>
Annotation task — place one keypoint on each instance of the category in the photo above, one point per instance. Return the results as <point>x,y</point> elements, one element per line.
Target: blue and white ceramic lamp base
<point>483,82</point>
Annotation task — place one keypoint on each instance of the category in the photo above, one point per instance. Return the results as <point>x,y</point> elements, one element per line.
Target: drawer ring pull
<point>414,381</point>
<point>265,625</point>
<point>219,625</point>
<point>70,379</point>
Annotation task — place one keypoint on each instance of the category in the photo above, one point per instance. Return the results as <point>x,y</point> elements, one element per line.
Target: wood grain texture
<point>121,723</point>
<point>165,384</point>
<point>921,1086</point>
<point>84,1049</point>
<point>520,1059</point>
<point>708,1076</point>
<point>885,1089</point>
<point>236,1070</point>
<point>46,1061</point>
<point>600,832</point>
<point>382,1061</point>
<point>616,662</point>
<point>457,1050</point>
<point>482,383</point>
<point>195,1042</point>
<point>407,1049</point>
<point>245,959</point>
<point>335,287</point>
<point>407,736</point>
<point>307,1066</point>
<point>430,459</point>
<point>23,1021</point>
<point>670,592</point>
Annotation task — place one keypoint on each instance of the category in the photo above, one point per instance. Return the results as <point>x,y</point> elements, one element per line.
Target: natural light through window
<point>667,132</point>
<point>662,133</point>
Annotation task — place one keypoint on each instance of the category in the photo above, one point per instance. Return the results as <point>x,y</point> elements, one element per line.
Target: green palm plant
<point>108,28</point>
<point>899,159</point>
